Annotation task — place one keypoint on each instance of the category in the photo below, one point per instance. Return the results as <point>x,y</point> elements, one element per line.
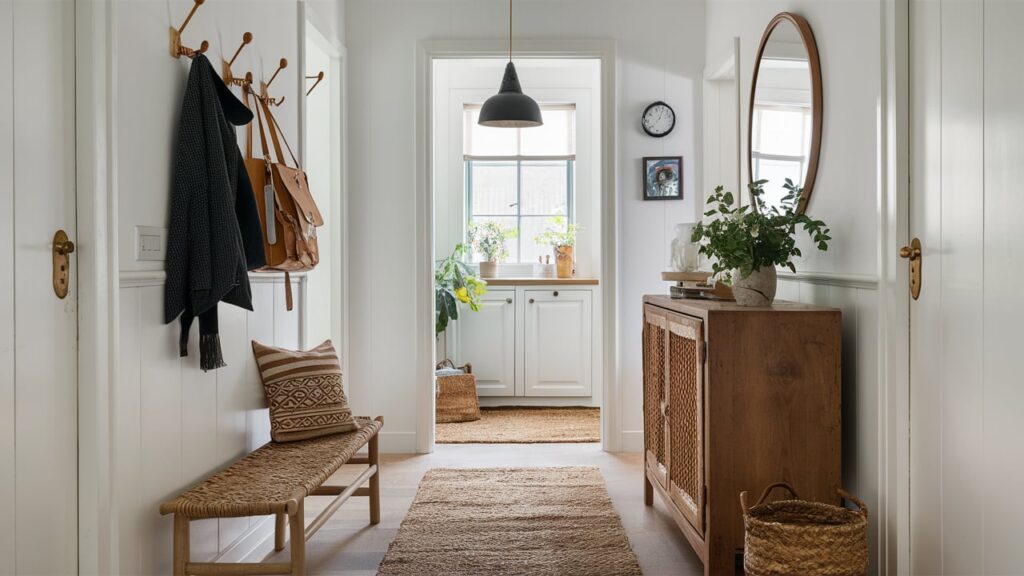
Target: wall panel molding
<point>143,278</point>
<point>859,281</point>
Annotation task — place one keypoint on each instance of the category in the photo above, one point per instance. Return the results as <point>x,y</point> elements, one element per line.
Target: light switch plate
<point>150,243</point>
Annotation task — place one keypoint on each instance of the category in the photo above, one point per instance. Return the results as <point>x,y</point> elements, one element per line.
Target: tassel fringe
<point>210,356</point>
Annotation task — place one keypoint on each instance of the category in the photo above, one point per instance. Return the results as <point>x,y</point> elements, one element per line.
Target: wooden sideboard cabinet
<point>735,399</point>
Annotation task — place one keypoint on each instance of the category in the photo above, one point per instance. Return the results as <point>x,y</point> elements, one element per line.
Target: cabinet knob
<point>556,293</point>
<point>508,300</point>
<point>531,300</point>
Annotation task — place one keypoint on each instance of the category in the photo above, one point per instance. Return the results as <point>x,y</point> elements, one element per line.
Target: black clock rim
<point>670,128</point>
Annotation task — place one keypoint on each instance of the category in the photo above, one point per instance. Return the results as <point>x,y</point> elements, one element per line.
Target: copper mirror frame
<point>814,66</point>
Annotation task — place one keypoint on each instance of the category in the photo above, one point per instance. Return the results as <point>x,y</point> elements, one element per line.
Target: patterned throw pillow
<point>304,392</point>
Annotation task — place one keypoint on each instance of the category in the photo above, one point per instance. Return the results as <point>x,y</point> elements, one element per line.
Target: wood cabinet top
<point>541,281</point>
<point>699,307</point>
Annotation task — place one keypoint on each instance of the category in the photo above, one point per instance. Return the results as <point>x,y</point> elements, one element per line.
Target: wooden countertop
<point>541,281</point>
<point>698,306</point>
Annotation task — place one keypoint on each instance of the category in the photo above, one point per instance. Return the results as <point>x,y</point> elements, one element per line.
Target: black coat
<point>211,210</point>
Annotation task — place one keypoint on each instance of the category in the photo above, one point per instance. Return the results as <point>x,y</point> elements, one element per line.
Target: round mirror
<point>784,136</point>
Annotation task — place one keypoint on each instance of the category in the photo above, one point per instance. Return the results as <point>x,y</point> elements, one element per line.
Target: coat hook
<point>319,77</point>
<point>176,47</point>
<point>229,78</point>
<point>266,85</point>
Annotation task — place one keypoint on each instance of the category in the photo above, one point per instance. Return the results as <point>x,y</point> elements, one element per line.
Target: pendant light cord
<point>509,30</point>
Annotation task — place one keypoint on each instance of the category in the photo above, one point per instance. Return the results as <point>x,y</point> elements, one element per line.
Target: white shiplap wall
<point>175,424</point>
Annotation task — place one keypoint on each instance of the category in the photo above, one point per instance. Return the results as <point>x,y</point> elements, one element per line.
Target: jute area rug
<point>511,521</point>
<point>525,426</point>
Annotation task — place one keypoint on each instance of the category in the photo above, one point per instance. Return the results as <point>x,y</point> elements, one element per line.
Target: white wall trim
<point>894,299</point>
<point>96,185</point>
<point>248,543</point>
<point>143,278</point>
<point>426,52</point>
<point>860,281</point>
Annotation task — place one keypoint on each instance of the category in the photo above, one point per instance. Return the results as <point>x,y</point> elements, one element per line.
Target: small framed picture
<point>663,178</point>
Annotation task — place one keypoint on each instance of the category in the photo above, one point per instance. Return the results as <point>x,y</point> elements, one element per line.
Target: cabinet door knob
<point>556,293</point>
<point>531,300</point>
<point>508,300</point>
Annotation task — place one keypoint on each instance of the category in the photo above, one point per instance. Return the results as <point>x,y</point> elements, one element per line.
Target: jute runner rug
<point>506,521</point>
<point>525,426</point>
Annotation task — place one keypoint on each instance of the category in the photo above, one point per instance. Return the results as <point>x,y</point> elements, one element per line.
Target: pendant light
<point>510,108</point>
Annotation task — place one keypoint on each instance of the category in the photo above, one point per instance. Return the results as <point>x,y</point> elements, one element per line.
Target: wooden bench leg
<point>181,545</point>
<point>298,540</point>
<point>279,525</point>
<point>374,457</point>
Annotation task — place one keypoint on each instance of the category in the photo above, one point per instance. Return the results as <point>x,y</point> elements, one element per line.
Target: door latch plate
<point>62,249</point>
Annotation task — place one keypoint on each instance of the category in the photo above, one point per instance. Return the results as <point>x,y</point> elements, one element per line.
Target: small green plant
<point>454,282</point>
<point>748,238</point>
<point>488,240</point>
<point>557,233</point>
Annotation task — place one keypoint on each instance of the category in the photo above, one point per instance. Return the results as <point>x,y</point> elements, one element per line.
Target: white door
<point>487,339</point>
<point>967,208</point>
<point>558,342</point>
<point>38,330</point>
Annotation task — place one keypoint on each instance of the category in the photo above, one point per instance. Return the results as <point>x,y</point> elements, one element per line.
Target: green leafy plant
<point>454,282</point>
<point>748,238</point>
<point>488,240</point>
<point>557,233</point>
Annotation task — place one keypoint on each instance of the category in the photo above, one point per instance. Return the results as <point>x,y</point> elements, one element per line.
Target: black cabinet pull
<point>556,293</point>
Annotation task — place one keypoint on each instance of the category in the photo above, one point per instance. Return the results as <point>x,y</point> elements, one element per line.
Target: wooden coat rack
<point>229,78</point>
<point>265,86</point>
<point>177,49</point>
<point>319,78</point>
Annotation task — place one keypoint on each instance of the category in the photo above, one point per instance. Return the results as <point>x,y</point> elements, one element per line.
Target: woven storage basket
<point>798,537</point>
<point>456,397</point>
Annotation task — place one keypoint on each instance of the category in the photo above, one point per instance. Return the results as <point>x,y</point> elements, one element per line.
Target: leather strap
<point>273,132</point>
<point>248,126</point>
<point>263,135</point>
<point>288,291</point>
<point>273,119</point>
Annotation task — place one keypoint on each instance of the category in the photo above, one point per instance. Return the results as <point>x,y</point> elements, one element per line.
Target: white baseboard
<point>632,441</point>
<point>392,442</point>
<point>241,549</point>
<point>494,401</point>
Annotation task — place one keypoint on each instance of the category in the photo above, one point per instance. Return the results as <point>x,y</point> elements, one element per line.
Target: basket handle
<point>764,495</point>
<point>862,509</point>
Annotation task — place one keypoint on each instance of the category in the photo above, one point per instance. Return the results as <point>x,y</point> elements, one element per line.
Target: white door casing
<point>38,334</point>
<point>967,160</point>
<point>486,338</point>
<point>558,340</point>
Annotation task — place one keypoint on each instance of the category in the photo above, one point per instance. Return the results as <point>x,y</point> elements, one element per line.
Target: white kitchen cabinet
<point>531,345</point>
<point>487,339</point>
<point>557,342</point>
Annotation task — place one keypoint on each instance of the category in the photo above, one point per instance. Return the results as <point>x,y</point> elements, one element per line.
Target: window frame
<point>519,159</point>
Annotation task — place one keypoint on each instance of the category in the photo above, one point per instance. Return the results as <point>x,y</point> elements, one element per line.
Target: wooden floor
<point>348,545</point>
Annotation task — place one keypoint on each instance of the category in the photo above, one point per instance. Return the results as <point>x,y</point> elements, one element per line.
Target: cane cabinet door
<point>655,433</point>
<point>684,414</point>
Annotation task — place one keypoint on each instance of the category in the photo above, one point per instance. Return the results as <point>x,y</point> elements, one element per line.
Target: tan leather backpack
<point>288,214</point>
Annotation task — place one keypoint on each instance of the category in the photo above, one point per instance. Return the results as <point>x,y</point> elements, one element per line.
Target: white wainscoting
<point>857,297</point>
<point>175,424</point>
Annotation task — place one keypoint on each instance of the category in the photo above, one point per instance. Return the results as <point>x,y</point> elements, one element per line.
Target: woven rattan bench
<point>276,479</point>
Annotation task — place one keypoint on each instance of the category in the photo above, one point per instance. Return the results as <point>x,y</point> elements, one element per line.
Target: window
<point>782,136</point>
<point>521,178</point>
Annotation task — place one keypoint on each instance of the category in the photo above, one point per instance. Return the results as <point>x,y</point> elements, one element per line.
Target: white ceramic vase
<point>488,269</point>
<point>756,289</point>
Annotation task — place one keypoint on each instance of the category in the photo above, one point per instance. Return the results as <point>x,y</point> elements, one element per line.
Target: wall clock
<point>658,119</point>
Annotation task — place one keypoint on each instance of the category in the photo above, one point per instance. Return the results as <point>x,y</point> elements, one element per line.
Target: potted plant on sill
<point>454,282</point>
<point>488,240</point>
<point>562,239</point>
<point>747,243</point>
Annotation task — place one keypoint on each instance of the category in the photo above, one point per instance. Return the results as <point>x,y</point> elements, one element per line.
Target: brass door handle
<point>62,248</point>
<point>910,252</point>
<point>913,253</point>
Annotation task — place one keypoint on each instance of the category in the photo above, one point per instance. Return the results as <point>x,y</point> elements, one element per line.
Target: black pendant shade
<point>510,108</point>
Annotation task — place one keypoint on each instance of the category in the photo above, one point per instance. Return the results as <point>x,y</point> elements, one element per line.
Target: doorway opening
<point>526,346</point>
